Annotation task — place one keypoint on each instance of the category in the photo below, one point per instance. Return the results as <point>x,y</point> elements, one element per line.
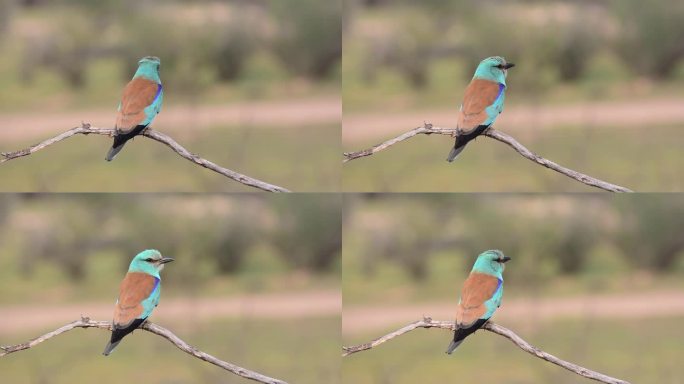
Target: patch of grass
<point>298,351</point>
<point>623,349</point>
<point>625,156</point>
<point>300,159</point>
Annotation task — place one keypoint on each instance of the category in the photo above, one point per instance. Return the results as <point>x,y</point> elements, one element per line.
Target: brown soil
<point>522,312</point>
<point>273,306</point>
<point>181,119</point>
<point>522,118</point>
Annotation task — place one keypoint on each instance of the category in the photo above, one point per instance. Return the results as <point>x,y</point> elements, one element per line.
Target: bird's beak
<point>504,259</point>
<point>508,65</point>
<point>165,260</point>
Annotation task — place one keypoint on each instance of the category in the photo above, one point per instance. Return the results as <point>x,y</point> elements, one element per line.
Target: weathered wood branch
<point>85,322</point>
<point>494,328</point>
<point>428,129</point>
<point>86,129</point>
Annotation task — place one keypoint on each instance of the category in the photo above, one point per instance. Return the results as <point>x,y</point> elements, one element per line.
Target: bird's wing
<point>477,289</point>
<point>138,94</point>
<point>479,95</point>
<point>135,288</point>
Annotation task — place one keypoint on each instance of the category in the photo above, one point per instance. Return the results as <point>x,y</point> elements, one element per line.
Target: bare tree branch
<point>85,322</point>
<point>87,129</point>
<point>494,328</point>
<point>428,129</point>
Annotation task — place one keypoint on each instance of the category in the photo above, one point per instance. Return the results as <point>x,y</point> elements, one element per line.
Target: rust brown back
<point>479,95</point>
<point>477,289</point>
<point>138,94</point>
<point>135,288</point>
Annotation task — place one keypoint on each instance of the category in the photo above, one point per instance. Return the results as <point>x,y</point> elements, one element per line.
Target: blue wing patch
<point>501,89</point>
<point>159,91</point>
<point>157,280</point>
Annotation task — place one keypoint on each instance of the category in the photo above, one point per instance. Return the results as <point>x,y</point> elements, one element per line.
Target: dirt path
<point>180,118</point>
<point>272,306</point>
<point>520,312</point>
<point>522,118</point>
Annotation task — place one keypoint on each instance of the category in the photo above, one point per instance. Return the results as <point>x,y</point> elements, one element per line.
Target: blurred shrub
<point>408,246</point>
<point>412,44</point>
<point>185,53</point>
<point>72,54</point>
<point>143,231</point>
<point>6,11</point>
<point>6,206</point>
<point>309,231</point>
<point>234,236</point>
<point>67,51</point>
<point>533,52</point>
<point>409,236</point>
<point>576,44</point>
<point>651,232</point>
<point>303,38</point>
<point>651,35</point>
<point>522,238</point>
<point>572,241</point>
<point>309,37</point>
<point>410,50</point>
<point>234,47</point>
<point>67,44</point>
<point>67,246</point>
<point>411,247</point>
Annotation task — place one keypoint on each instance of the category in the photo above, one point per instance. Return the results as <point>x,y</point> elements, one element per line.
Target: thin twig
<point>85,322</point>
<point>494,328</point>
<point>86,129</point>
<point>428,129</point>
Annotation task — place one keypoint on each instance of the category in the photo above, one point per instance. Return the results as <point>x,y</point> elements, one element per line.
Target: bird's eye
<point>149,260</point>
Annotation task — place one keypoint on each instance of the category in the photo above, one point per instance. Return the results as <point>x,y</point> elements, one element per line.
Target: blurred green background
<point>255,282</point>
<point>594,279</point>
<point>251,85</point>
<point>598,87</point>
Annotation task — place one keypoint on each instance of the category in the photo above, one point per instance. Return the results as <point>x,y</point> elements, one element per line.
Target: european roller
<point>138,295</point>
<point>140,103</point>
<point>482,103</point>
<point>480,296</point>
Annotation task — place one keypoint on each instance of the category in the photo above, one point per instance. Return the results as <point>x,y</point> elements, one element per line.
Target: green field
<point>409,248</point>
<point>297,351</point>
<point>447,271</point>
<point>632,350</point>
<point>263,273</point>
<point>44,236</point>
<point>623,156</point>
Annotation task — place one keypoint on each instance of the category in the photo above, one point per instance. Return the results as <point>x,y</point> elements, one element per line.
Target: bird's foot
<point>458,132</point>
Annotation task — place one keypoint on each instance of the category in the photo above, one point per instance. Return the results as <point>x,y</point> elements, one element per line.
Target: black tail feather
<point>455,151</point>
<point>119,333</point>
<point>464,138</point>
<point>121,138</point>
<point>114,150</point>
<point>461,333</point>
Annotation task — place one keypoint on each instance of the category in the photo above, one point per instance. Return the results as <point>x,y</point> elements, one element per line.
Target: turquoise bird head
<point>148,67</point>
<point>493,68</point>
<point>491,263</point>
<point>149,261</point>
